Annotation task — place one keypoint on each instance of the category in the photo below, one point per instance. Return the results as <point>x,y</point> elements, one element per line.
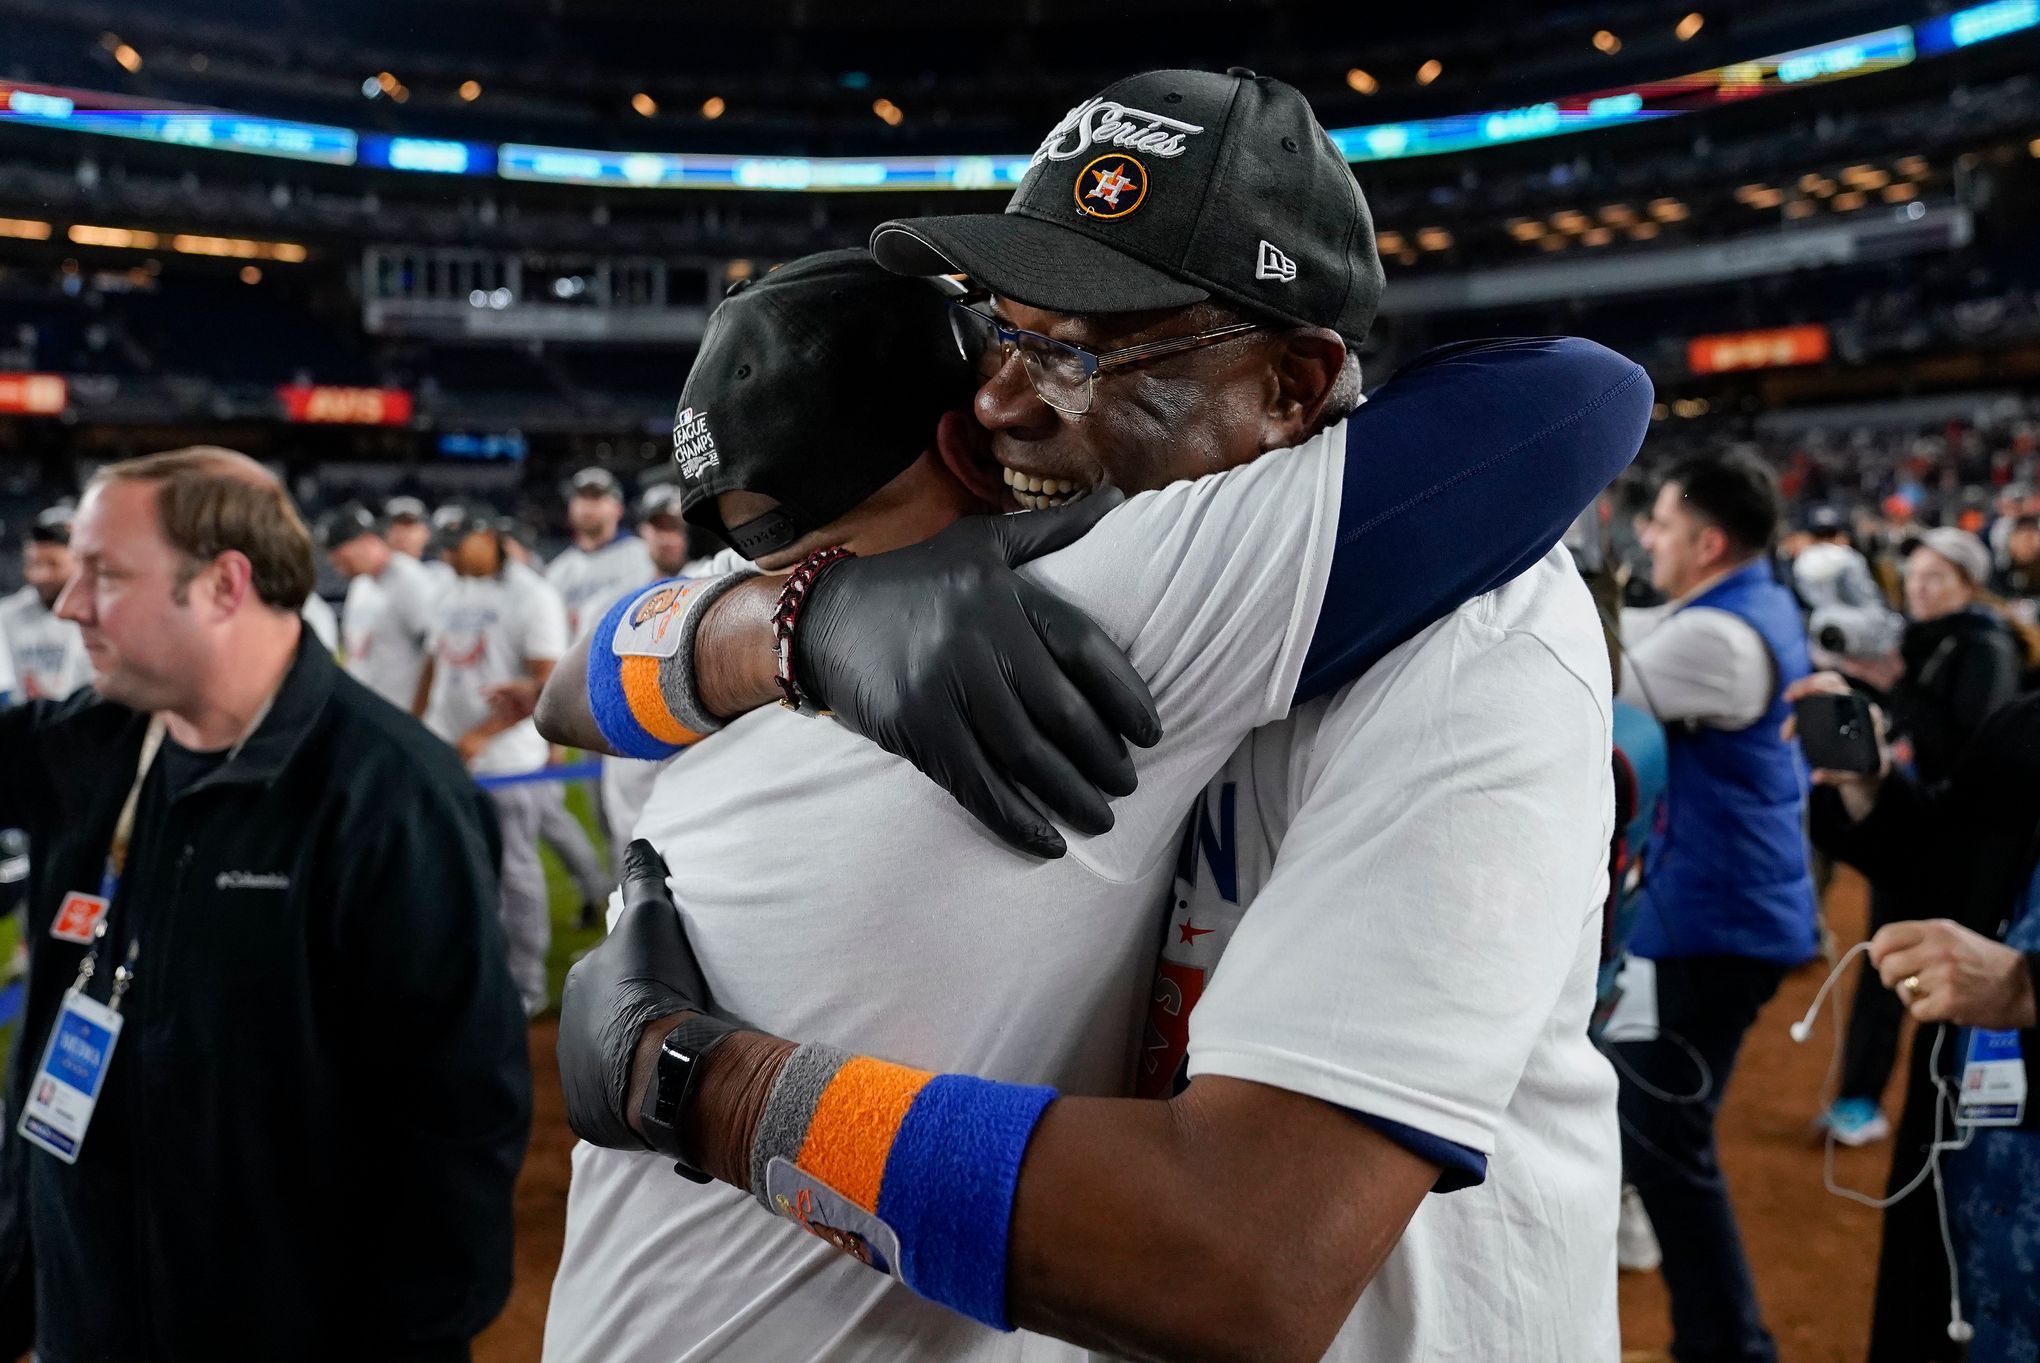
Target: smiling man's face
<point>1180,416</point>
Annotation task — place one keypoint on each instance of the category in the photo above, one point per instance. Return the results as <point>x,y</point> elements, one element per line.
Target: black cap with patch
<point>1170,188</point>
<point>816,386</point>
<point>344,524</point>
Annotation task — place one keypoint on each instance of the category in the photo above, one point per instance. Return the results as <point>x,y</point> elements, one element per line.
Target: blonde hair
<point>211,500</point>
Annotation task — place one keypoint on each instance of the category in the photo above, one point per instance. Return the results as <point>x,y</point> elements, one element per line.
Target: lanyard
<point>117,854</point>
<point>116,862</point>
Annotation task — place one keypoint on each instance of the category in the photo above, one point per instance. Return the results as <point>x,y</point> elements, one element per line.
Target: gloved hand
<point>642,971</point>
<point>940,653</point>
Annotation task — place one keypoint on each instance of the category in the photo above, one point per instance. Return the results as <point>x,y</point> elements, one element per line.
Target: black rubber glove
<point>642,971</point>
<point>940,653</point>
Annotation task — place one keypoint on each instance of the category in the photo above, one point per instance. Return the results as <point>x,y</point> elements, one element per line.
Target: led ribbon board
<point>1864,54</point>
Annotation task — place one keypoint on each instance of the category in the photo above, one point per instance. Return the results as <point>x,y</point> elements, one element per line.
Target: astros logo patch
<point>1111,186</point>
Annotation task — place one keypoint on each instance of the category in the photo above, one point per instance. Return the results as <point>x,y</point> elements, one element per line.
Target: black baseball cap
<point>52,525</point>
<point>816,386</point>
<point>595,481</point>
<point>455,521</point>
<point>1166,189</point>
<point>661,500</point>
<point>343,524</point>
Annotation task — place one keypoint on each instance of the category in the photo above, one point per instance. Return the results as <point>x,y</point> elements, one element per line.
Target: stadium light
<point>251,274</point>
<point>1766,198</point>
<point>1360,83</point>
<point>1900,193</point>
<point>129,59</point>
<point>1618,215</point>
<point>1607,42</point>
<point>1643,231</point>
<point>1598,236</point>
<point>645,105</point>
<point>1669,210</point>
<point>1569,220</point>
<point>1389,243</point>
<point>121,238</point>
<point>1434,239</point>
<point>1912,167</point>
<point>470,91</point>
<point>385,82</point>
<point>888,112</point>
<point>713,106</point>
<point>1849,202</point>
<point>2034,146</point>
<point>1430,71</point>
<point>1799,208</point>
<point>1525,229</point>
<point>1688,26</point>
<point>24,229</point>
<point>1554,242</point>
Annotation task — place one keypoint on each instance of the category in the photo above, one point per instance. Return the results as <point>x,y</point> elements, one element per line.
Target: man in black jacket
<point>309,1121</point>
<point>1970,848</point>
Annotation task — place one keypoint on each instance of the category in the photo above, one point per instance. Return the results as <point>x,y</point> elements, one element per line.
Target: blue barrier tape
<point>573,771</point>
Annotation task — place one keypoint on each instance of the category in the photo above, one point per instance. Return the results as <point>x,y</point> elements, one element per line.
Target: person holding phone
<point>1957,664</point>
<point>1729,903</point>
<point>1968,845</point>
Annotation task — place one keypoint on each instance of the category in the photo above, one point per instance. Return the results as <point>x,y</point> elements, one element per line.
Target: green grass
<point>568,940</point>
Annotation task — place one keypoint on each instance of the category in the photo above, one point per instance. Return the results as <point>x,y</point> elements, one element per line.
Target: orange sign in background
<point>351,406</point>
<point>34,394</point>
<point>1773,349</point>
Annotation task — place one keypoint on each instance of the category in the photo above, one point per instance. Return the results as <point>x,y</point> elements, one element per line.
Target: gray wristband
<point>789,1108</point>
<point>676,674</point>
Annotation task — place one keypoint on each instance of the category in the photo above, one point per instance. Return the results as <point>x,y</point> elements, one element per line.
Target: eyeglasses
<point>1064,375</point>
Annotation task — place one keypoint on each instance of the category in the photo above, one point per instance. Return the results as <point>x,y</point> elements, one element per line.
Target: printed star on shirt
<point>1111,184</point>
<point>1190,934</point>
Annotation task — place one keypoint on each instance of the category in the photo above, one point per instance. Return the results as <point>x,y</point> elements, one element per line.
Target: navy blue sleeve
<point>1458,1166</point>
<point>1463,470</point>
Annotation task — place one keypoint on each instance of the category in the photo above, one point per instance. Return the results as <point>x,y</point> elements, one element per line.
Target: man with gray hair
<point>271,1091</point>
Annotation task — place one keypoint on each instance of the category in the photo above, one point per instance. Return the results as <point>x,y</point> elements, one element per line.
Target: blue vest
<point>1726,873</point>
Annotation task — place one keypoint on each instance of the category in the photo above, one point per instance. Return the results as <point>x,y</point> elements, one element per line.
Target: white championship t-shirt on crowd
<point>385,623</point>
<point>45,655</point>
<point>487,629</point>
<point>1424,951</point>
<point>918,937</point>
<point>590,580</point>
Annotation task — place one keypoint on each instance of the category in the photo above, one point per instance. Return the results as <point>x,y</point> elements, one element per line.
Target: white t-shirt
<point>919,937</point>
<point>590,580</point>
<point>1698,664</point>
<point>44,657</point>
<point>319,618</point>
<point>1407,880</point>
<point>487,629</point>
<point>385,622</point>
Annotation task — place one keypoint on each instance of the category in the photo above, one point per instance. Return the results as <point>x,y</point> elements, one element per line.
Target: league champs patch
<point>693,446</point>
<point>1111,187</point>
<point>647,629</point>
<point>830,1217</point>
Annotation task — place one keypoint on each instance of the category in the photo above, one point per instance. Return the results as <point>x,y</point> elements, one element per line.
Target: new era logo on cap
<point>1272,264</point>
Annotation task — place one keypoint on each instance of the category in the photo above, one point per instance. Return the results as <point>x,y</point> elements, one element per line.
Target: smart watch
<point>673,1083</point>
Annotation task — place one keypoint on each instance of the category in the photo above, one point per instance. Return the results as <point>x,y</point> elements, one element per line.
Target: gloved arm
<point>1079,1217</point>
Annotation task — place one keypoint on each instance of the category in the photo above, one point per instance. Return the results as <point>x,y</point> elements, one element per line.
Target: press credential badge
<point>66,1086</point>
<point>1993,1081</point>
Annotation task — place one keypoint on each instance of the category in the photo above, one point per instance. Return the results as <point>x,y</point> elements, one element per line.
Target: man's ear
<point>1307,366</point>
<point>229,581</point>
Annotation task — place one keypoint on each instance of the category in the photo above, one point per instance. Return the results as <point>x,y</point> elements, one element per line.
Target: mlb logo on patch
<point>693,446</point>
<point>78,917</point>
<point>1273,264</point>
